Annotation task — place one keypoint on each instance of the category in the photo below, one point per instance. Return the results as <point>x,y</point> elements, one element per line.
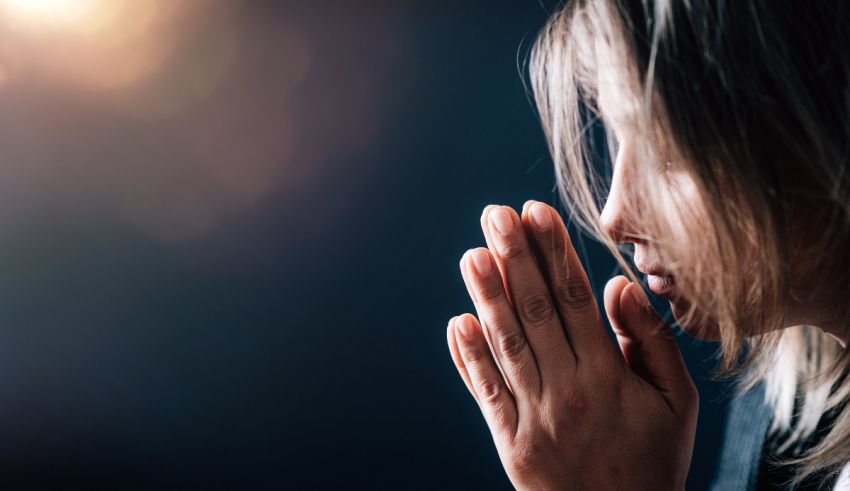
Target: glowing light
<point>99,44</point>
<point>66,12</point>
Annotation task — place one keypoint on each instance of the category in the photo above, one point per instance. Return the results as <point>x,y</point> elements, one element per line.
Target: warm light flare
<point>100,44</point>
<point>66,12</point>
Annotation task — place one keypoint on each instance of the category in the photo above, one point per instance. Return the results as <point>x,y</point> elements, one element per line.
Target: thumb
<point>646,341</point>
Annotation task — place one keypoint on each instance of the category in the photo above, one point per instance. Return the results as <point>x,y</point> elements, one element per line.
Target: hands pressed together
<point>567,409</point>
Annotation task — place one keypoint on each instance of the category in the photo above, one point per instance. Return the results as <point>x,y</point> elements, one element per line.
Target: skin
<point>567,408</point>
<point>618,224</point>
<point>805,306</point>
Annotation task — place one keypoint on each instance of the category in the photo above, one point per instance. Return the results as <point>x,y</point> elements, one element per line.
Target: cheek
<point>679,232</point>
<point>682,207</point>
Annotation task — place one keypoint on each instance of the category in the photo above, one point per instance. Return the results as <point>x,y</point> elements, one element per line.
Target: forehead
<point>616,104</point>
<point>616,92</point>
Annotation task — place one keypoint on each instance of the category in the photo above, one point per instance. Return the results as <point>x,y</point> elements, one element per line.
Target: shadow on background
<point>230,241</point>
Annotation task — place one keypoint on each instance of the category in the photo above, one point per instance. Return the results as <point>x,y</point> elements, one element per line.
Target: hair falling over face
<point>730,123</point>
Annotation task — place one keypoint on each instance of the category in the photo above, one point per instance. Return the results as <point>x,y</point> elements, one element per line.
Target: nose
<point>615,219</point>
<point>612,217</point>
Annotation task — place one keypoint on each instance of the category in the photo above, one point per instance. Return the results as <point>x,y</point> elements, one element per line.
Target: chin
<point>698,326</point>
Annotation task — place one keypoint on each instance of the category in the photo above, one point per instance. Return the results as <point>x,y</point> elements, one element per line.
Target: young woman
<point>730,122</point>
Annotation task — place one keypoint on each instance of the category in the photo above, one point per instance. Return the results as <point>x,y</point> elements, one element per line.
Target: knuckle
<point>575,294</point>
<point>490,290</point>
<point>573,408</point>
<point>472,354</point>
<point>488,391</point>
<point>553,244</point>
<point>575,402</point>
<point>536,308</point>
<point>513,345</point>
<point>512,249</point>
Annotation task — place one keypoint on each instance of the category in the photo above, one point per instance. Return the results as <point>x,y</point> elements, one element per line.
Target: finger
<point>485,227</point>
<point>506,337</point>
<point>491,246</point>
<point>458,360</point>
<point>489,240</point>
<point>496,402</point>
<point>467,280</point>
<point>650,347</point>
<point>655,352</point>
<point>576,303</point>
<point>530,296</point>
<point>611,299</point>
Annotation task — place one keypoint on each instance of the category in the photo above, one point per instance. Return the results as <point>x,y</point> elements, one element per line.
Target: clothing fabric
<point>745,457</point>
<point>743,438</point>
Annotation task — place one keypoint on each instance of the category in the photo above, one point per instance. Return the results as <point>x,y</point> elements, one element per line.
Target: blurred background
<point>230,233</point>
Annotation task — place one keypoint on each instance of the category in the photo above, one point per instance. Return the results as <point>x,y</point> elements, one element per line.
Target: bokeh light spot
<point>61,12</point>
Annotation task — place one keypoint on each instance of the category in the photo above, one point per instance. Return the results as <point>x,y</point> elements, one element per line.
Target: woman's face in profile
<point>675,195</point>
<point>675,191</point>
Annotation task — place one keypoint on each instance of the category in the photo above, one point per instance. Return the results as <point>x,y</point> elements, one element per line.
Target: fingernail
<point>450,322</point>
<point>465,327</point>
<point>540,215</point>
<point>481,262</point>
<point>502,220</point>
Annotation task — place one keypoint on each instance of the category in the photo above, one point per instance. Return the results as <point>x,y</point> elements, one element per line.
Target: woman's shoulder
<point>742,464</point>
<point>743,438</point>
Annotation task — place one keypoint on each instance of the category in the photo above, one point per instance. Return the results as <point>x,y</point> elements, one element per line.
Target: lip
<point>661,284</point>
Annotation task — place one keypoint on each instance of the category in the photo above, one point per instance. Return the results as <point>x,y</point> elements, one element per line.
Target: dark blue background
<point>299,342</point>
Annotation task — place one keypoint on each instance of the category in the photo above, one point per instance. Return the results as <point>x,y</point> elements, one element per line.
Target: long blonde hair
<point>750,101</point>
